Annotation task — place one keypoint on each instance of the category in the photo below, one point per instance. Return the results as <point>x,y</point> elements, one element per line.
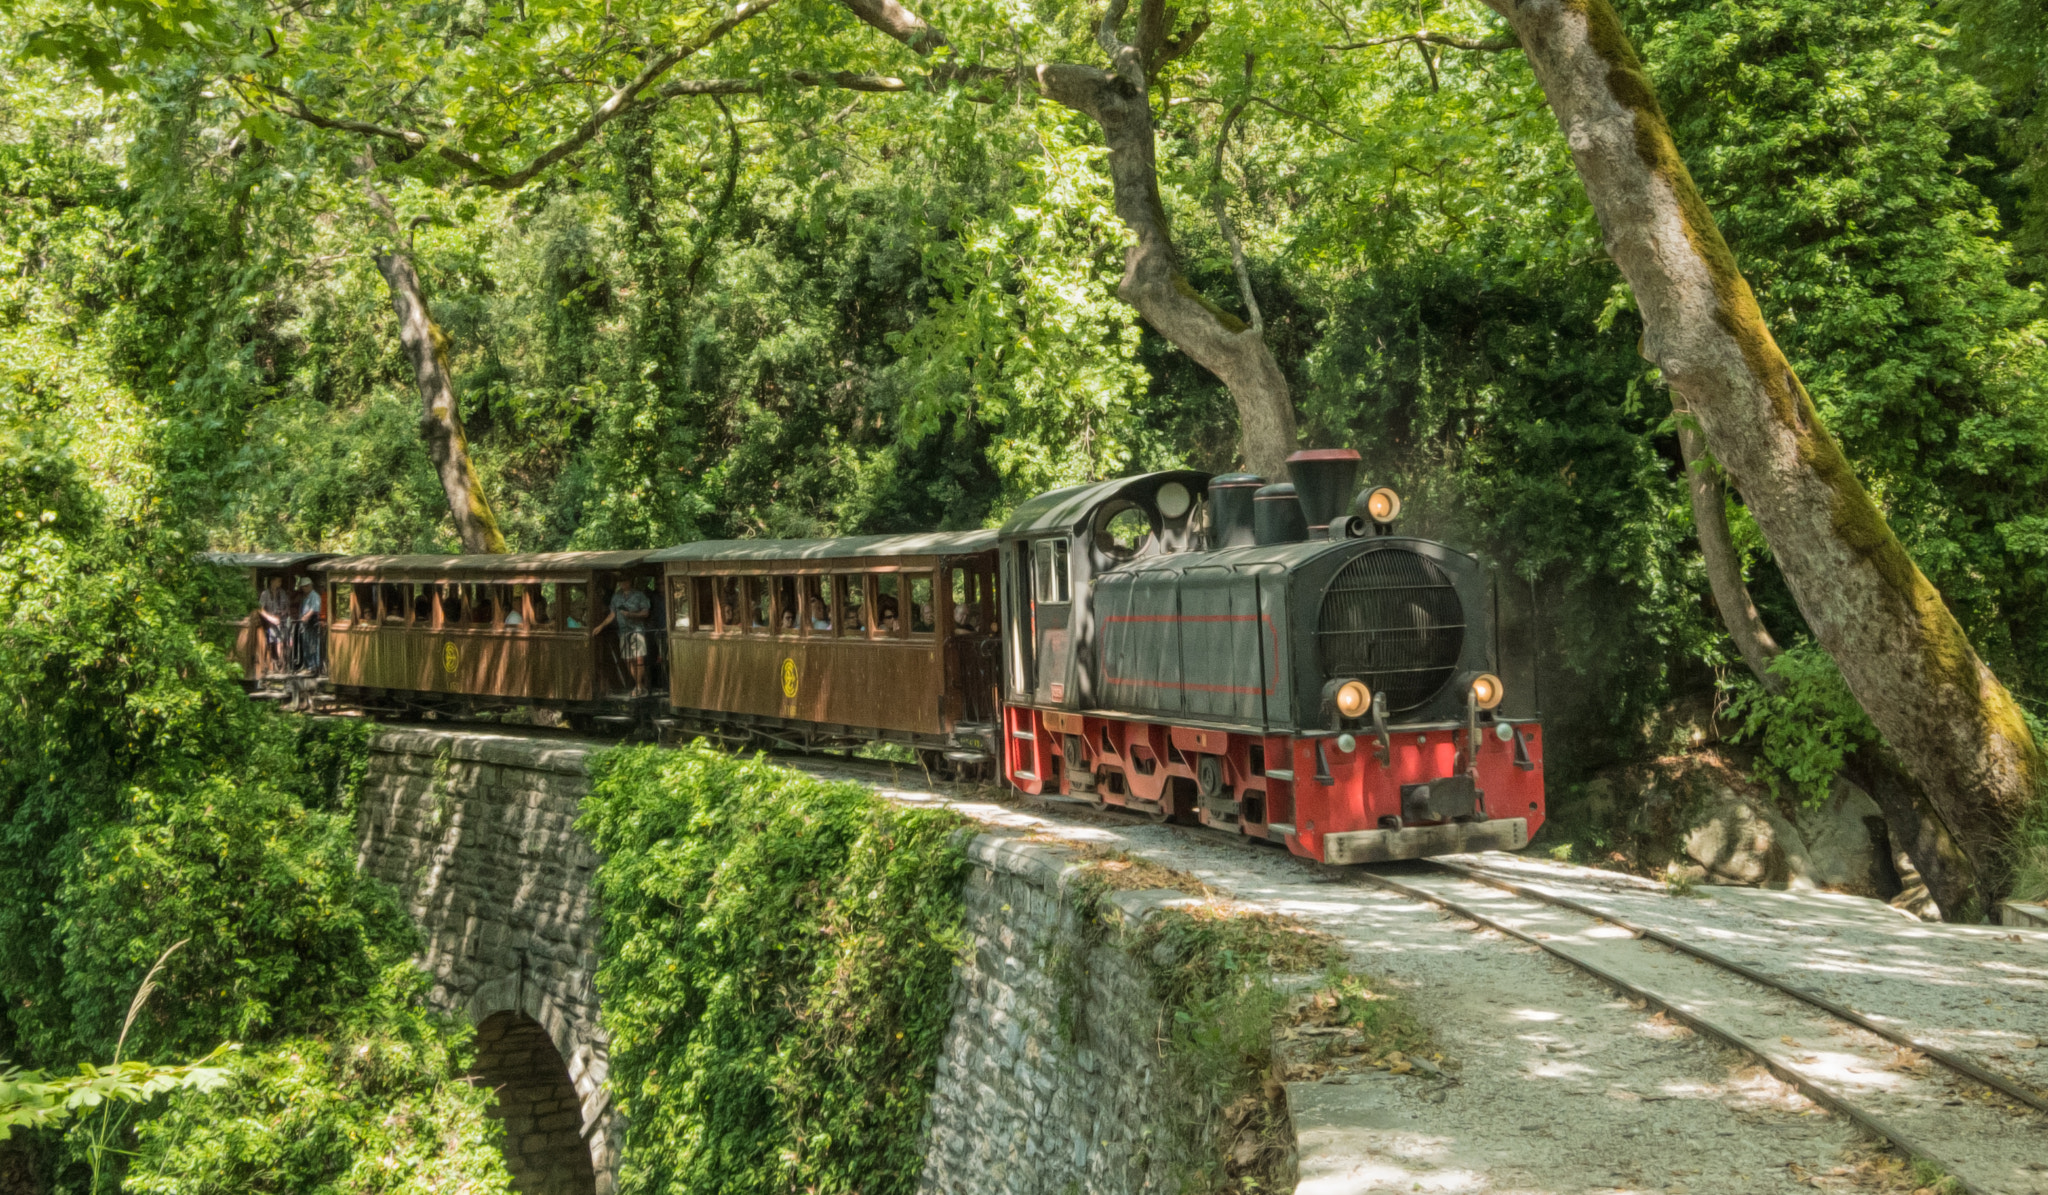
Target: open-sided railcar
<point>261,568</point>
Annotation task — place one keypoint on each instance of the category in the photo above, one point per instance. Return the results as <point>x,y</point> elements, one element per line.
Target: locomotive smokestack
<point>1276,515</point>
<point>1323,478</point>
<point>1230,510</point>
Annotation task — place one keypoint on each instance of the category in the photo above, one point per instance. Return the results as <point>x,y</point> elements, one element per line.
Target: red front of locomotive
<point>1385,801</point>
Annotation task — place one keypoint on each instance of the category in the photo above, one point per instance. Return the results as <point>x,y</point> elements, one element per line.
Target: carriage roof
<point>852,547</point>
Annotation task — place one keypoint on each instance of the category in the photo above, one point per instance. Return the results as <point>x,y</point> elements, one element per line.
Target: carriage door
<point>1051,609</point>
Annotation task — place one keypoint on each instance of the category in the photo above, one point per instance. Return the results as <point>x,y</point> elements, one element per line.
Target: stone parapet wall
<point>1050,1080</point>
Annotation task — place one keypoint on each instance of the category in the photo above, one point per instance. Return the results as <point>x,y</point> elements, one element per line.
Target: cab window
<point>1049,571</point>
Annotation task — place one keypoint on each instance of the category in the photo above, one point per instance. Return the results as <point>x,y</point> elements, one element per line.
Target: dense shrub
<point>778,961</point>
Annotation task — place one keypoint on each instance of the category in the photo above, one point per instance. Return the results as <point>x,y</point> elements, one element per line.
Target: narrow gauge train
<point>1266,660</point>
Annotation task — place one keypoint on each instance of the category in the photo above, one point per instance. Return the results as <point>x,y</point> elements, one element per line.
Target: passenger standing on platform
<point>275,609</point>
<point>312,619</point>
<point>629,609</point>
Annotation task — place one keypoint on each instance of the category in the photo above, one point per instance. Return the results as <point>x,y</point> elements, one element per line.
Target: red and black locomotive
<point>1286,668</point>
<point>1266,660</point>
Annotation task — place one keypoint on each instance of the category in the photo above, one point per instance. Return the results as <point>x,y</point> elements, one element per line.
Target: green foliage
<point>1804,733</point>
<point>777,976</point>
<point>35,1100</point>
<point>375,1109</point>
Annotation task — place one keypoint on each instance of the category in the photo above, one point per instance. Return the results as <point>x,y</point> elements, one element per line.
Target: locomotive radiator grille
<point>1392,619</point>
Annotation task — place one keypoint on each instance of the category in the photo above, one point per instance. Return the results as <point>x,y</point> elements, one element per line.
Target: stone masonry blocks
<point>476,831</point>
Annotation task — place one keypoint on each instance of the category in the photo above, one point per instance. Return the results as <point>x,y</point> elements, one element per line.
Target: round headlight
<point>1353,699</point>
<point>1381,505</point>
<point>1487,690</point>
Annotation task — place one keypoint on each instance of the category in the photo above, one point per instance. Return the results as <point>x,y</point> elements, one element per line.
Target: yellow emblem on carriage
<point>451,658</point>
<point>789,676</point>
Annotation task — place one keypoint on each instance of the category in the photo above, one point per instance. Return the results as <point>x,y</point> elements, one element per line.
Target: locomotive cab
<point>1256,660</point>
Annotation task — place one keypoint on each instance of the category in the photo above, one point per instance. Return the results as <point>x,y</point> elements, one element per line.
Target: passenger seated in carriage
<point>886,608</point>
<point>821,619</point>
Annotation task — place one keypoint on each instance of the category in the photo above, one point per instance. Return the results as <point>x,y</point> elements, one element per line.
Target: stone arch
<point>545,1146</point>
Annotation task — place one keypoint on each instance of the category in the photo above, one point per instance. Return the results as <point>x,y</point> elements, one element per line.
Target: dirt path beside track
<point>1555,1083</point>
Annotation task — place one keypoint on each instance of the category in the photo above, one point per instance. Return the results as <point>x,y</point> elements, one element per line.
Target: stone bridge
<point>476,830</point>
<point>477,833</point>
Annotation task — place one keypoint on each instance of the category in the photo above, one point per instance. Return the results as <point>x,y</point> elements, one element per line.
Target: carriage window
<point>679,600</point>
<point>729,604</point>
<point>342,600</point>
<point>1049,571</point>
<point>482,610</point>
<point>391,602</point>
<point>575,606</point>
<point>511,611</point>
<point>966,602</point>
<point>544,609</point>
<point>814,606</point>
<point>922,616</point>
<point>853,603</point>
<point>889,604</point>
<point>704,612</point>
<point>786,610</point>
<point>535,611</point>
<point>757,603</point>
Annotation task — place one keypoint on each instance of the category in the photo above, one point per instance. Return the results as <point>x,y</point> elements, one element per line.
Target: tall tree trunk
<point>1118,101</point>
<point>1724,566</point>
<point>1955,728</point>
<point>1236,352</point>
<point>441,421</point>
<point>1914,825</point>
<point>427,348</point>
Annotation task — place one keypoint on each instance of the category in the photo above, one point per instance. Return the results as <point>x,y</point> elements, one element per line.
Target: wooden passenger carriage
<point>482,631</point>
<point>792,639</point>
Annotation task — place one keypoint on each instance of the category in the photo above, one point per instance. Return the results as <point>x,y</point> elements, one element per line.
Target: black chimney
<point>1230,510</point>
<point>1323,478</point>
<point>1276,515</point>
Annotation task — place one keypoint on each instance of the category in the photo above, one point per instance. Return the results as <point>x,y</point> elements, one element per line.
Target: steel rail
<point>1819,1092</point>
<point>1953,1061</point>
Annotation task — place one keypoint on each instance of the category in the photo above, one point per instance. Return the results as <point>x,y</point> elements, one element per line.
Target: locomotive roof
<point>1066,509</point>
<point>262,559</point>
<point>495,562</point>
<point>929,543</point>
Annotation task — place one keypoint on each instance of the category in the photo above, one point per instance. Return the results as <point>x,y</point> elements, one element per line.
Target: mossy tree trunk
<point>1954,726</point>
<point>426,350</point>
<point>440,420</point>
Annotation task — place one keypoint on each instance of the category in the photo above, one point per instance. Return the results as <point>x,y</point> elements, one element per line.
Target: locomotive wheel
<point>1209,776</point>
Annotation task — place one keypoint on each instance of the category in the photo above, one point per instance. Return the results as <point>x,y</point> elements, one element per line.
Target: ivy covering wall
<point>777,977</point>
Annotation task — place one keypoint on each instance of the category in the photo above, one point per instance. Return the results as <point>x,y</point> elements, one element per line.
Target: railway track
<point>1986,1129</point>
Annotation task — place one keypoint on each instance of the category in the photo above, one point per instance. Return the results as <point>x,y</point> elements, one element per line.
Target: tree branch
<point>634,91</point>
<point>1244,278</point>
<point>1491,45</point>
